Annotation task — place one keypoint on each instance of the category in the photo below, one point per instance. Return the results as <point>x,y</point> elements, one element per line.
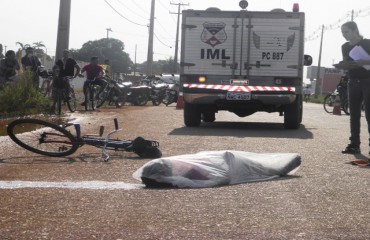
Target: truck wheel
<point>192,115</point>
<point>208,117</point>
<point>293,114</point>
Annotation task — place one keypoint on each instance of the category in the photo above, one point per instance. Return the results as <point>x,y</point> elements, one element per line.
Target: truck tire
<point>208,116</point>
<point>192,115</point>
<point>293,114</point>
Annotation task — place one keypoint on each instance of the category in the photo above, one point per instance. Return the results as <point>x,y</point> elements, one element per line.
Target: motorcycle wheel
<point>141,100</point>
<point>157,101</point>
<point>167,100</point>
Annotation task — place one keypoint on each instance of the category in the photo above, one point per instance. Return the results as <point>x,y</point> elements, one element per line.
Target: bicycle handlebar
<point>116,123</point>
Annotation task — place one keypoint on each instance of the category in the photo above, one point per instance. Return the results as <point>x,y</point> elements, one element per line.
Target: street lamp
<point>243,4</point>
<point>108,30</point>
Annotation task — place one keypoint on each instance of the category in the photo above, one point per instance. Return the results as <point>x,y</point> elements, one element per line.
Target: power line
<point>164,29</point>
<point>169,10</point>
<point>124,16</point>
<point>131,10</point>
<point>337,24</point>
<point>161,41</point>
<point>140,7</point>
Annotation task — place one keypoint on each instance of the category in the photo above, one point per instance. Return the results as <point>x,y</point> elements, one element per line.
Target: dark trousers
<point>35,80</point>
<point>98,81</point>
<point>358,92</point>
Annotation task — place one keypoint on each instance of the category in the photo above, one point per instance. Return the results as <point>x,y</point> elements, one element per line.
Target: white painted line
<point>94,185</point>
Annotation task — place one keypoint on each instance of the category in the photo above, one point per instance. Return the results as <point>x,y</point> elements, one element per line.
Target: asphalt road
<point>327,198</point>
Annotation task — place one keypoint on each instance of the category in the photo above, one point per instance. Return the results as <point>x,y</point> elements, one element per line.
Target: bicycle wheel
<point>93,92</point>
<point>72,101</point>
<point>102,97</point>
<point>329,103</point>
<point>88,98</point>
<point>345,107</point>
<point>42,137</point>
<point>46,88</point>
<point>59,102</point>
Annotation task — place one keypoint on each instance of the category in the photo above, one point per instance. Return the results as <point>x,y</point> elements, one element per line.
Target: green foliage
<point>104,48</point>
<point>318,99</point>
<point>21,98</point>
<point>160,66</point>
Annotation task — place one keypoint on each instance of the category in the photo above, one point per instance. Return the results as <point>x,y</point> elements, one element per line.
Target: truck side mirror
<point>307,60</point>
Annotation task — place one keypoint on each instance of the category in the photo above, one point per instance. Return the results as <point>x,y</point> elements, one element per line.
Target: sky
<point>33,21</point>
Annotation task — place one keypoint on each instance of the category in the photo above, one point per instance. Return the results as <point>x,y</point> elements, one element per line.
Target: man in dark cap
<point>32,63</point>
<point>67,65</point>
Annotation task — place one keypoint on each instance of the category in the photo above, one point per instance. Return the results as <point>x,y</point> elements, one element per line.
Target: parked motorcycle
<point>171,94</point>
<point>114,93</point>
<point>137,95</point>
<point>157,89</point>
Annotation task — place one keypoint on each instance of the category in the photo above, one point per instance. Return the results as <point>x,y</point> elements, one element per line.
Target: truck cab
<point>242,62</point>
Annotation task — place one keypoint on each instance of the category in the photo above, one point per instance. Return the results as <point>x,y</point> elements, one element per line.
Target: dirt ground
<point>325,199</point>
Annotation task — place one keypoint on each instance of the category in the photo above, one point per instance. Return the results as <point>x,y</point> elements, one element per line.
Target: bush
<point>318,99</point>
<point>22,98</point>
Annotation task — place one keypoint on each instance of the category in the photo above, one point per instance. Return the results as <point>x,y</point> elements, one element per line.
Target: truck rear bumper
<point>208,94</point>
<point>211,98</point>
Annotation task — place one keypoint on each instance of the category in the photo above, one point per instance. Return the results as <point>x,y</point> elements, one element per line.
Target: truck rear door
<point>242,43</point>
<point>273,43</point>
<point>209,42</point>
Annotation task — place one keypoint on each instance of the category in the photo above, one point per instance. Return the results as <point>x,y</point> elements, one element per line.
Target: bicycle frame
<point>57,141</point>
<point>60,94</point>
<point>90,139</point>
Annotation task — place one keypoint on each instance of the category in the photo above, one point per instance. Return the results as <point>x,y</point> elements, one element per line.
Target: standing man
<point>359,82</point>
<point>9,67</point>
<point>107,68</point>
<point>68,66</point>
<point>32,63</point>
<point>306,94</point>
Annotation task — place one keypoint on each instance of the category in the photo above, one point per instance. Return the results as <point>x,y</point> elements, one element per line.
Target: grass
<point>318,99</point>
<point>22,98</point>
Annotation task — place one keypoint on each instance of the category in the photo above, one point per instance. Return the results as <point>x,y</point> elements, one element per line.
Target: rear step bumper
<point>268,99</point>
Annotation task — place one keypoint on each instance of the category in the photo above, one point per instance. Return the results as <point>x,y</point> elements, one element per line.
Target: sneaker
<point>359,162</point>
<point>352,149</point>
<point>365,165</point>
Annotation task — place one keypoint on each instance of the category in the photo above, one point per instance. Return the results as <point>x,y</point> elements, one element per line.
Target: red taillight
<point>295,7</point>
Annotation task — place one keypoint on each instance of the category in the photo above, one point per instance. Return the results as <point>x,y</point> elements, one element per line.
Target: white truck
<point>242,62</point>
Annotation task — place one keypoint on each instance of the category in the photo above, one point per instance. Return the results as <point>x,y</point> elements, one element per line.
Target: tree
<point>104,48</point>
<point>38,49</point>
<point>40,53</point>
<point>23,46</point>
<point>161,66</point>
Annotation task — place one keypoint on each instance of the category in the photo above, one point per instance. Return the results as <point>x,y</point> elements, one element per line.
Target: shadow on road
<point>244,129</point>
<point>90,158</point>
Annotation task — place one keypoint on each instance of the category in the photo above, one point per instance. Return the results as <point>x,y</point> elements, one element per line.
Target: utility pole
<point>318,89</point>
<point>135,60</point>
<point>175,60</point>
<point>63,27</point>
<point>149,70</point>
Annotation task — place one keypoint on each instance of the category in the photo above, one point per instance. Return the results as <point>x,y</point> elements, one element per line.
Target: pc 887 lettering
<point>272,55</point>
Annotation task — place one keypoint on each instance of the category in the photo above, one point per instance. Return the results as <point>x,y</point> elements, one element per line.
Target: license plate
<point>239,82</point>
<point>235,96</point>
